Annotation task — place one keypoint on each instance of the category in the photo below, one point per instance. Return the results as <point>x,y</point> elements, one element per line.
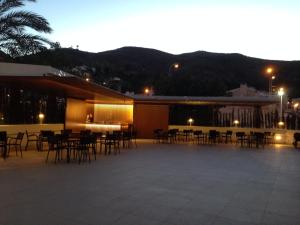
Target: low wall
<point>31,128</point>
<point>281,136</point>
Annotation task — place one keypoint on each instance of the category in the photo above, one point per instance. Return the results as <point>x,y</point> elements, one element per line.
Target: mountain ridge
<point>200,72</point>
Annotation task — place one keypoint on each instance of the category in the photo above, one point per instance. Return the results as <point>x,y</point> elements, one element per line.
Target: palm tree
<point>15,39</point>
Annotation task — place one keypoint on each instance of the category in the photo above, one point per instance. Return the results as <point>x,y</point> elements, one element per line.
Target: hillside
<point>200,73</point>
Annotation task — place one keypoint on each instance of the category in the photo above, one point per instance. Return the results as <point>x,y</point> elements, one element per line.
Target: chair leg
<point>26,145</point>
<point>21,151</point>
<point>47,156</point>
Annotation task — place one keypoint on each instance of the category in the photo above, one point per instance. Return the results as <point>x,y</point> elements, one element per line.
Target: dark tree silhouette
<point>15,39</point>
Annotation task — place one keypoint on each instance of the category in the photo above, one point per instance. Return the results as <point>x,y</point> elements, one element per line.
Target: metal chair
<point>32,138</point>
<point>3,144</point>
<point>16,142</point>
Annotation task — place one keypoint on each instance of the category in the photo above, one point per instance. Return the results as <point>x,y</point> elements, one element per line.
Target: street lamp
<point>236,122</point>
<point>146,91</point>
<point>41,117</point>
<point>271,77</point>
<point>174,66</point>
<point>280,94</point>
<point>190,121</point>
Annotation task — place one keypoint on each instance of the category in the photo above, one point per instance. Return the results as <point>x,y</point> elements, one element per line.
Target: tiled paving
<point>155,184</point>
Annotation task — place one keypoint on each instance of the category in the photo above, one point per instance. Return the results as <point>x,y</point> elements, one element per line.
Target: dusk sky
<point>260,28</point>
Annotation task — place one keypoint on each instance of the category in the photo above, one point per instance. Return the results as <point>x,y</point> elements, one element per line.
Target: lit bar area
<point>82,115</point>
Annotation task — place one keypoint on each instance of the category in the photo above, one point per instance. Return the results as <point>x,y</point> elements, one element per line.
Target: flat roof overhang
<point>221,101</point>
<point>67,86</point>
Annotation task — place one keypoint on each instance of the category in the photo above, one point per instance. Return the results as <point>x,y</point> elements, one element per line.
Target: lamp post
<point>174,66</point>
<point>280,94</point>
<point>146,91</point>
<point>236,123</point>
<point>190,121</point>
<point>271,77</point>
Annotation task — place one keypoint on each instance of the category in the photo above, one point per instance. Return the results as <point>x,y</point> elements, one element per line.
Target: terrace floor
<point>165,184</point>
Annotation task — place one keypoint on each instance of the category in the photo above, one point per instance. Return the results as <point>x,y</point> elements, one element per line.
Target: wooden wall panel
<point>146,118</point>
<point>113,114</point>
<point>76,112</point>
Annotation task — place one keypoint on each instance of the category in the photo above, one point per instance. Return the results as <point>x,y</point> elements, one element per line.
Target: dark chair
<point>99,139</point>
<point>32,138</point>
<point>172,133</point>
<point>212,136</point>
<point>56,144</point>
<point>16,142</point>
<point>134,137</point>
<point>43,138</point>
<point>85,132</point>
<point>241,137</point>
<point>157,134</point>
<point>269,138</point>
<point>258,139</point>
<point>126,139</point>
<point>82,148</point>
<point>111,141</point>
<point>93,144</point>
<point>296,139</point>
<point>199,136</point>
<point>187,135</point>
<point>66,132</point>
<point>3,144</point>
<point>227,136</point>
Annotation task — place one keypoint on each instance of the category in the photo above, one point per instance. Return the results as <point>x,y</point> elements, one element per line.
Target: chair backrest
<point>66,131</point>
<point>98,134</point>
<point>197,132</point>
<point>3,136</point>
<point>157,131</point>
<point>20,136</point>
<point>240,134</point>
<point>85,132</point>
<point>297,136</point>
<point>229,132</point>
<point>27,135</point>
<point>259,135</point>
<point>212,133</point>
<point>47,133</point>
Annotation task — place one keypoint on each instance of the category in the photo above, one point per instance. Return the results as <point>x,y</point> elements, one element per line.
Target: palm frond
<point>6,5</point>
<point>14,37</point>
<point>26,19</point>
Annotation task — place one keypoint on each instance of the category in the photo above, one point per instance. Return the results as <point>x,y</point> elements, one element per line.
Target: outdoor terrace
<point>165,184</point>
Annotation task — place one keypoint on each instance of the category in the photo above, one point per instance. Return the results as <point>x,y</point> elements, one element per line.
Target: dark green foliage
<point>14,37</point>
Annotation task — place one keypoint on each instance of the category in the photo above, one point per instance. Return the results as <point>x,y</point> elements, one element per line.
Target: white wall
<point>287,136</point>
<point>31,128</point>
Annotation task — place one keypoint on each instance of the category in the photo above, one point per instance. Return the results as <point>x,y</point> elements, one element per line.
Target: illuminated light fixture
<point>87,79</point>
<point>2,118</point>
<point>103,126</point>
<point>146,91</point>
<point>281,91</point>
<point>278,137</point>
<point>280,123</point>
<point>296,105</point>
<point>236,122</point>
<point>176,65</point>
<point>269,70</point>
<point>273,77</point>
<point>41,116</point>
<point>190,121</point>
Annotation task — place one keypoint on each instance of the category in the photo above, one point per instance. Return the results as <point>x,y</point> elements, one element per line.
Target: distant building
<point>244,90</point>
<point>249,116</point>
